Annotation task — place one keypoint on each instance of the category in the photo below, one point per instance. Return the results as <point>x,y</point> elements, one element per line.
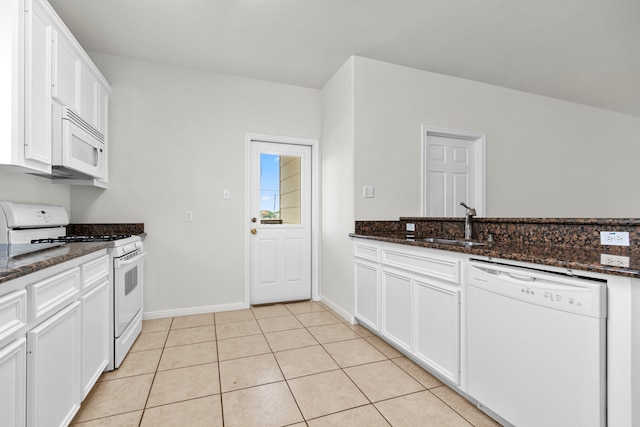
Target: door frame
<point>479,143</point>
<point>315,208</point>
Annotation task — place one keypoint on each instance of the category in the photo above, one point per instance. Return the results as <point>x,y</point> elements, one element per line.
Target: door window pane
<point>279,189</point>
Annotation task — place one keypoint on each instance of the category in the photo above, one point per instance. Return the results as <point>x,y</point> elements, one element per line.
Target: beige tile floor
<point>296,364</point>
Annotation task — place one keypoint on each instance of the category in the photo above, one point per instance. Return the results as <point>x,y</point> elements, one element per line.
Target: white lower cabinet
<point>411,297</point>
<point>53,377</point>
<point>366,297</point>
<point>437,327</point>
<point>397,307</point>
<point>95,335</point>
<point>54,340</point>
<point>12,383</point>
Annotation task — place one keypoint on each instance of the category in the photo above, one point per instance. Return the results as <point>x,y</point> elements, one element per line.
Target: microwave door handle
<point>120,264</point>
<point>98,157</point>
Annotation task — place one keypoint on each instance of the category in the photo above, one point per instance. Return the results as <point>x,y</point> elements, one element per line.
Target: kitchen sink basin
<point>454,242</point>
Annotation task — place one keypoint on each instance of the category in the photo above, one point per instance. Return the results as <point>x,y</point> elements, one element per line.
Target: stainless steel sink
<point>466,243</point>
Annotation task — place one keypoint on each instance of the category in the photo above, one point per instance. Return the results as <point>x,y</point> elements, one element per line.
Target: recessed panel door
<point>450,175</point>
<point>280,222</point>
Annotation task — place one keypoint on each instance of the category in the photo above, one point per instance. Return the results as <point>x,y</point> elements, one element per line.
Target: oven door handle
<point>119,264</point>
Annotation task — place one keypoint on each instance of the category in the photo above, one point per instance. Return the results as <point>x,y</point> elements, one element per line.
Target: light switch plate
<point>367,191</point>
<point>614,238</point>
<point>411,226</point>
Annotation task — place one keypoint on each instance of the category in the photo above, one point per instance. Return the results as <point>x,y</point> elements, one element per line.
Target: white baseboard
<point>343,313</point>
<point>192,310</point>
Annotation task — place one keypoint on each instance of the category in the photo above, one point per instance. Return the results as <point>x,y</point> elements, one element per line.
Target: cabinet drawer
<point>366,252</point>
<point>51,294</point>
<point>13,313</point>
<point>94,272</point>
<point>442,268</point>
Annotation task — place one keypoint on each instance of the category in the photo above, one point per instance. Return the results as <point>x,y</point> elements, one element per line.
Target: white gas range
<point>27,228</point>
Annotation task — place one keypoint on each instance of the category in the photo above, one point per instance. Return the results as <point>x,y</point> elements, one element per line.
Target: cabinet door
<point>95,335</point>
<point>88,95</point>
<point>53,369</point>
<point>37,105</point>
<point>65,71</point>
<point>12,384</point>
<point>437,325</point>
<point>102,108</point>
<point>397,290</point>
<point>366,293</point>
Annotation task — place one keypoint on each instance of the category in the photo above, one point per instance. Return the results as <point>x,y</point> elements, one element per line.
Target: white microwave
<point>79,151</point>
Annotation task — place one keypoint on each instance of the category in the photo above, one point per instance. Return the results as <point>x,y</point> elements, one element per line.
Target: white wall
<point>337,189</point>
<point>19,187</point>
<point>176,140</point>
<point>545,157</point>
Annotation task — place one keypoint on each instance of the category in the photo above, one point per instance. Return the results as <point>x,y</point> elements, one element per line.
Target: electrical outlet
<point>188,216</point>
<point>614,260</point>
<point>226,194</point>
<point>411,226</point>
<point>614,238</point>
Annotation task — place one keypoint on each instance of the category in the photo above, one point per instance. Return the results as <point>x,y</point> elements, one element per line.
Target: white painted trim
<point>479,139</point>
<point>315,208</point>
<point>343,313</point>
<point>192,310</point>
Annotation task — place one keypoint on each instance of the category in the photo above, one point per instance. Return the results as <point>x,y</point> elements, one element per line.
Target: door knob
<point>253,219</point>
<point>254,231</point>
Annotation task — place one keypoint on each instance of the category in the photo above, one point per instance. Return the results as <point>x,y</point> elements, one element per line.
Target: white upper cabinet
<point>25,82</point>
<point>75,83</point>
<point>88,95</point>
<point>102,99</point>
<point>65,70</point>
<point>37,111</point>
<point>42,67</point>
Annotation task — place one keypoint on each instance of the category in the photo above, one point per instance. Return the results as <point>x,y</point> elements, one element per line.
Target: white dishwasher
<point>536,346</point>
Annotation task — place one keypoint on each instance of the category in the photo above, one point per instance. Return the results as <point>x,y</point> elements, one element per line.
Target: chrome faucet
<point>468,226</point>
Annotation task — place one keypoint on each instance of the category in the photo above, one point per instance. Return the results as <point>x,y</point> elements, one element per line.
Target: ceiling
<point>584,51</point>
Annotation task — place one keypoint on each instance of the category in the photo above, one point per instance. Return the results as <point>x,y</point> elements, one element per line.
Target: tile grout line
<point>356,385</point>
<point>285,379</point>
<point>215,327</point>
<point>189,366</point>
<point>353,382</point>
<point>273,355</point>
<point>347,375</point>
<point>144,408</point>
<point>416,392</point>
<point>451,407</point>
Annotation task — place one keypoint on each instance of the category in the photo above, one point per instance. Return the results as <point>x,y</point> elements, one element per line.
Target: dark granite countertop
<point>586,259</point>
<point>13,268</point>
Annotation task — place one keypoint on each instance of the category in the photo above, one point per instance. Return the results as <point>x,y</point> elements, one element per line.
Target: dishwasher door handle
<point>521,277</point>
<point>498,273</point>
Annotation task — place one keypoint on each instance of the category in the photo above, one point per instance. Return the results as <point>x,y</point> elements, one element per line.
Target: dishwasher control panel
<point>570,294</point>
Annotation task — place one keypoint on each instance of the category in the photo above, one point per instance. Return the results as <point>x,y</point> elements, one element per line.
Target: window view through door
<point>280,187</point>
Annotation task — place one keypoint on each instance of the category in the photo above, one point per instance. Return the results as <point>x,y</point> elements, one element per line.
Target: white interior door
<point>280,222</point>
<point>453,174</point>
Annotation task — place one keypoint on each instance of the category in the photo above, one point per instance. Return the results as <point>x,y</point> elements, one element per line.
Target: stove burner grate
<point>72,239</point>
